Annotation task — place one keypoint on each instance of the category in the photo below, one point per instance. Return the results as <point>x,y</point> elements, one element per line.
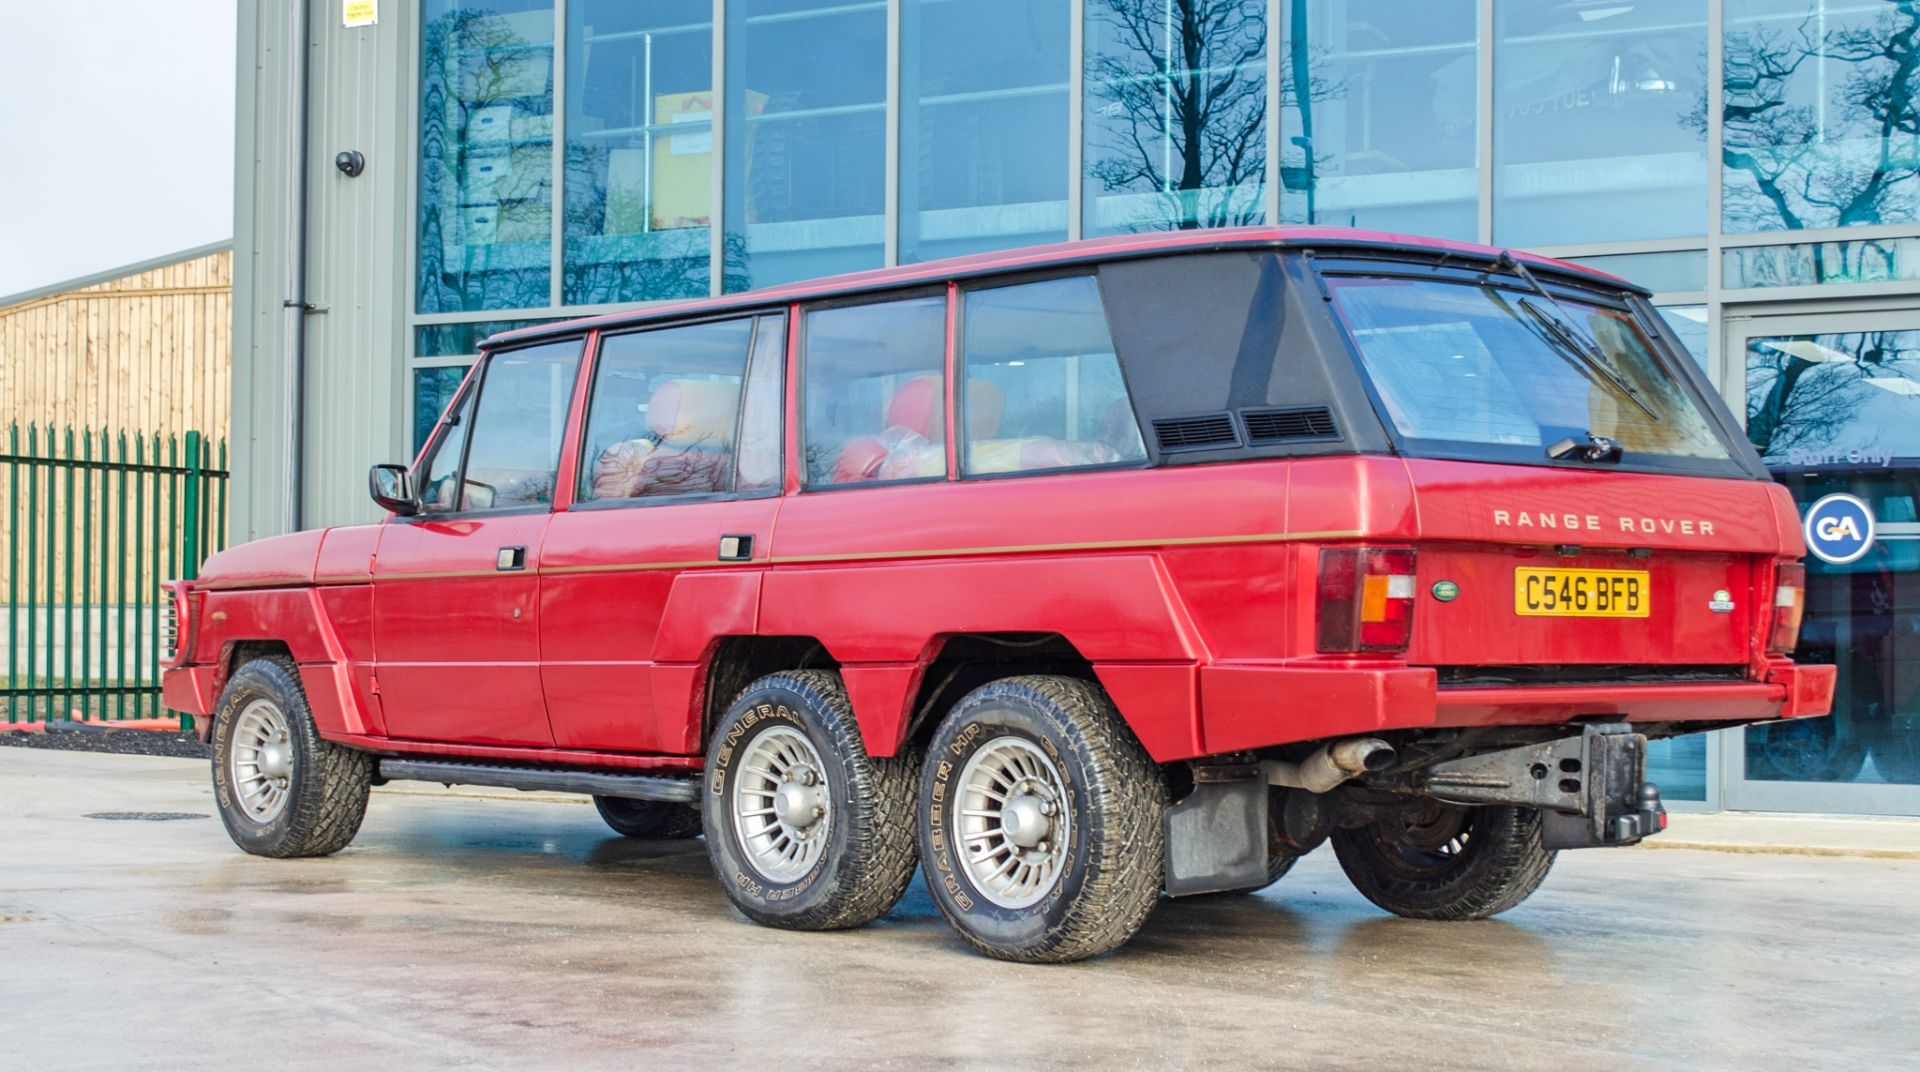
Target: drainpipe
<point>295,308</point>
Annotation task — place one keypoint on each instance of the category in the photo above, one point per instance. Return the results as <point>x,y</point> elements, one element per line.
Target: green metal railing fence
<point>94,522</point>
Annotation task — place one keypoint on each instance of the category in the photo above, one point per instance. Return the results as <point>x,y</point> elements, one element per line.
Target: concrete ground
<point>518,933</point>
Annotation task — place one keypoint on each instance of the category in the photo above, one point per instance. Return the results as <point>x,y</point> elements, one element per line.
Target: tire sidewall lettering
<point>743,876</point>
<point>941,791</point>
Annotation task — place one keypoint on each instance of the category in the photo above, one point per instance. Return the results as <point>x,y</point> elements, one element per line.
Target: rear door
<point>456,588</point>
<point>665,541</point>
<point>1584,499</point>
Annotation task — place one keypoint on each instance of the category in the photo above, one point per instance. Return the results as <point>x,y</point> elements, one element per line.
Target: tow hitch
<point>1591,789</point>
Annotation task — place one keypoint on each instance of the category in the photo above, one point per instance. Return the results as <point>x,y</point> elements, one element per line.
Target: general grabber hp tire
<point>1439,861</point>
<point>805,830</point>
<point>649,820</point>
<point>282,790</point>
<point>1040,819</point>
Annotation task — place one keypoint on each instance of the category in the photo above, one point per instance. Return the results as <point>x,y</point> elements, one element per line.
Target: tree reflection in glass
<point>1822,115</point>
<point>1176,114</point>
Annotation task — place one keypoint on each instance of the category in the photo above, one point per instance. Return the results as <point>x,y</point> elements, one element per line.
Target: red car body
<point>1191,590</point>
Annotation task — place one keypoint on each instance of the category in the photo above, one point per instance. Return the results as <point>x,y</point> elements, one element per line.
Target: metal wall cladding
<point>353,397</point>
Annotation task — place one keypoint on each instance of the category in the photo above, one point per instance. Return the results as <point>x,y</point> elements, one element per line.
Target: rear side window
<point>1491,369</point>
<point>1044,389</point>
<point>519,422</point>
<point>873,392</point>
<point>664,418</point>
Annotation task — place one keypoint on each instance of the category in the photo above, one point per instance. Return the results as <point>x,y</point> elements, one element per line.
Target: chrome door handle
<point>511,558</point>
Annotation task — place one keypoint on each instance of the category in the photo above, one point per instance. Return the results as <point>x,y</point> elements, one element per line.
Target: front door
<point>667,537</point>
<point>1833,405</point>
<point>456,589</point>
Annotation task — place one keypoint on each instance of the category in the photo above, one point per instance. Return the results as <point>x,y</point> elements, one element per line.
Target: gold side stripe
<point>869,556</point>
<point>1095,545</point>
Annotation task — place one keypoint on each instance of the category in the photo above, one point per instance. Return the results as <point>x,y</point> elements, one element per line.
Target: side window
<point>440,476</point>
<point>761,445</point>
<point>1044,389</point>
<point>665,410</point>
<point>874,393</point>
<point>518,425</point>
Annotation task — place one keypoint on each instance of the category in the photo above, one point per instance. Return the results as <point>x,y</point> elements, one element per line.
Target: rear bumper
<point>1245,707</point>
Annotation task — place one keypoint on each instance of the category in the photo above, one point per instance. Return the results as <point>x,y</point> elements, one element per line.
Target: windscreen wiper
<point>1575,345</point>
<point>1593,449</point>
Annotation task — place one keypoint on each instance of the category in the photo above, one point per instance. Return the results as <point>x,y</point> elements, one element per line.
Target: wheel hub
<point>276,759</point>
<point>799,804</point>
<point>1013,823</point>
<point>261,760</point>
<point>781,806</point>
<point>1025,821</point>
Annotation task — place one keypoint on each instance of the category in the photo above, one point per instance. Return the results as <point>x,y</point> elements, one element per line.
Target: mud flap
<point>1591,789</point>
<point>1216,837</point>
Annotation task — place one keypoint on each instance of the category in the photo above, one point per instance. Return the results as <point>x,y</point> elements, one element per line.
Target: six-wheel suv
<point>1075,576</point>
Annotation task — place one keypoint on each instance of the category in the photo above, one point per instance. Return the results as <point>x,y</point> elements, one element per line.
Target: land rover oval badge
<point>1446,591</point>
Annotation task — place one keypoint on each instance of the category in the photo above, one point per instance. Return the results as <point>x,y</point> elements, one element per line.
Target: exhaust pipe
<point>1330,764</point>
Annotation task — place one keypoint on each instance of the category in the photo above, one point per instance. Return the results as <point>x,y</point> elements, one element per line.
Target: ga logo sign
<point>1839,529</point>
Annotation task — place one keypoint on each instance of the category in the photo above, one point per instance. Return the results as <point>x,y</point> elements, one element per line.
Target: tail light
<point>1366,599</point>
<point>1789,606</point>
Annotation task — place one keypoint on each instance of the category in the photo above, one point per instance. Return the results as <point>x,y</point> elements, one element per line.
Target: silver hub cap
<point>1014,820</point>
<point>262,761</point>
<point>781,808</point>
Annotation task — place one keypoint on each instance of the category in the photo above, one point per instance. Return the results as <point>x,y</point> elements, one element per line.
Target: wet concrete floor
<point>461,932</point>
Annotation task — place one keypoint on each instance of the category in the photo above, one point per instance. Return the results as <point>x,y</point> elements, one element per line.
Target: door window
<point>875,392</point>
<point>665,415</point>
<point>513,457</point>
<point>1043,385</point>
<point>440,483</point>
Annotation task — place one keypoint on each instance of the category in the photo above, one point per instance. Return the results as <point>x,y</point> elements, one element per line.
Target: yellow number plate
<point>1580,593</point>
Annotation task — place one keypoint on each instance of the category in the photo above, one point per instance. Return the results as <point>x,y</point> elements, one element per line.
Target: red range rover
<point>1076,576</point>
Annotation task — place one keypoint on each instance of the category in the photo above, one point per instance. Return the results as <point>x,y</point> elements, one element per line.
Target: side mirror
<point>392,487</point>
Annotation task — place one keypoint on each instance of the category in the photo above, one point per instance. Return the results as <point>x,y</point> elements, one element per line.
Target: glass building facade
<point>1756,163</point>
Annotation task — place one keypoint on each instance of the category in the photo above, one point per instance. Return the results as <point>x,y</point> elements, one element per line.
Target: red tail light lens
<point>1789,606</point>
<point>1366,599</point>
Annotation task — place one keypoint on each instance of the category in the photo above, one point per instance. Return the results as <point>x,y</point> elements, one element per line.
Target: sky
<point>116,134</point>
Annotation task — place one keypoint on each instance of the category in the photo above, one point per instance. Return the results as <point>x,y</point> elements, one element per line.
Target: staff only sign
<point>1839,529</point>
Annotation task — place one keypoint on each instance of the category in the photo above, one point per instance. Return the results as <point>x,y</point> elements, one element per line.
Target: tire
<point>1442,862</point>
<point>854,860</point>
<point>1052,742</point>
<point>649,820</point>
<point>304,798</point>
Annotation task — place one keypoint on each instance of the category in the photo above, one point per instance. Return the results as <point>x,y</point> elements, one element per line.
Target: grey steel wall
<point>352,392</point>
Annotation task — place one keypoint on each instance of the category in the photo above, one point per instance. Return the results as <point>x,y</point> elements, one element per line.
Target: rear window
<point>1504,372</point>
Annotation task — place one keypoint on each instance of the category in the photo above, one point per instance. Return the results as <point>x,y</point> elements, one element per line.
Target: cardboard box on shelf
<point>505,174</point>
<point>682,160</point>
<point>493,123</point>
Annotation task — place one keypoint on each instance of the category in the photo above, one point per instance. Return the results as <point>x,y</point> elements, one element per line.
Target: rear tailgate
<point>1565,568</point>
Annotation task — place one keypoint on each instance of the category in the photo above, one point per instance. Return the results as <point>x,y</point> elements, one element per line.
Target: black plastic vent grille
<point>1196,433</point>
<point>1282,425</point>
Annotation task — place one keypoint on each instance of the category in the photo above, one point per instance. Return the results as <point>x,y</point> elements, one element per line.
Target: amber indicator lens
<point>1366,599</point>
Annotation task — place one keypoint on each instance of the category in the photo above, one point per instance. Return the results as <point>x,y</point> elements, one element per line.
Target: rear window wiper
<point>1583,349</point>
<point>1592,449</point>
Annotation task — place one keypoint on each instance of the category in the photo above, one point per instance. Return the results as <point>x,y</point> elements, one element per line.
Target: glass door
<point>1833,405</point>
